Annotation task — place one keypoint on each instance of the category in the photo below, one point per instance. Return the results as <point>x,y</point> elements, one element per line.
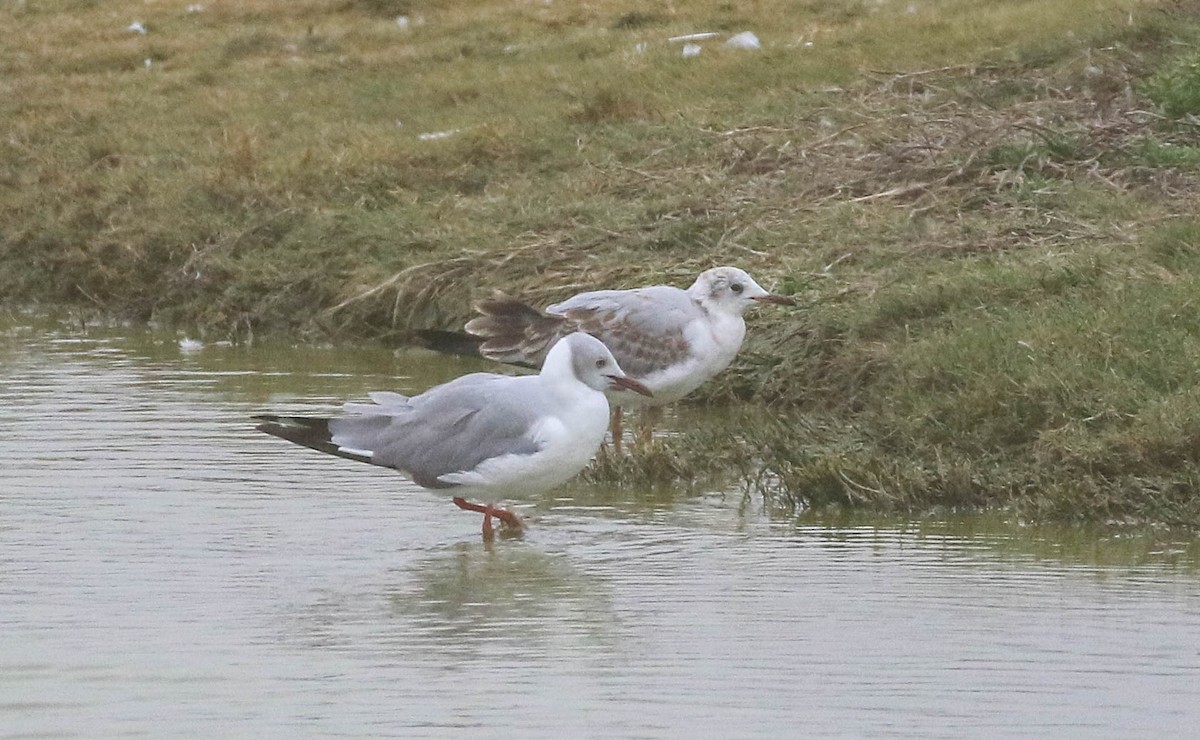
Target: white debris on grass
<point>195,8</point>
<point>190,345</point>
<point>694,37</point>
<point>435,135</point>
<point>744,40</point>
<point>402,22</point>
<point>136,27</point>
<point>691,47</point>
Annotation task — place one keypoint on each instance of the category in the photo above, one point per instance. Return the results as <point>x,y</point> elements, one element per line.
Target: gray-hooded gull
<point>672,340</point>
<point>481,434</point>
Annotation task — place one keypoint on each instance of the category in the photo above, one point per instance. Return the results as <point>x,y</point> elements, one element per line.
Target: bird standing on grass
<point>481,434</point>
<point>669,339</point>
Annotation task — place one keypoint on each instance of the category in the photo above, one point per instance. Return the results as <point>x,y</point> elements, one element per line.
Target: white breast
<point>713,342</point>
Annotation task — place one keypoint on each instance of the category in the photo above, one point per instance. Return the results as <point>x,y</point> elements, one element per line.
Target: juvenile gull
<point>481,434</point>
<point>671,340</point>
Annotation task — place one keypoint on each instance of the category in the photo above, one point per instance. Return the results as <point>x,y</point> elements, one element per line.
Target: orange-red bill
<point>629,384</point>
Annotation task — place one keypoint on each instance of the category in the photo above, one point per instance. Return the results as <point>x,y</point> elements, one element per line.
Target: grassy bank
<point>986,210</point>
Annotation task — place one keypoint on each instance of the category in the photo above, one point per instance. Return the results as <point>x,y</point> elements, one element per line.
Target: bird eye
<point>601,362</point>
<point>736,287</point>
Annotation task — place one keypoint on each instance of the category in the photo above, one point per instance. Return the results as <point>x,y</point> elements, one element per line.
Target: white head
<point>591,363</point>
<point>731,290</point>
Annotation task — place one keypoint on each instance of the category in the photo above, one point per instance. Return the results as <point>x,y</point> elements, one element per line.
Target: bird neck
<point>728,330</point>
<point>558,361</point>
<point>699,293</point>
<point>558,373</point>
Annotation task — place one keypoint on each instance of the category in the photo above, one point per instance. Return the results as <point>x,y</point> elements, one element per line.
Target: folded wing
<point>449,429</point>
<point>643,328</point>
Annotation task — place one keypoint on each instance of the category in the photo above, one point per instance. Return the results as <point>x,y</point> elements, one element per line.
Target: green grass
<point>986,210</point>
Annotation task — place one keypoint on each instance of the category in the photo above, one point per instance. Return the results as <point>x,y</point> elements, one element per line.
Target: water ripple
<point>165,570</point>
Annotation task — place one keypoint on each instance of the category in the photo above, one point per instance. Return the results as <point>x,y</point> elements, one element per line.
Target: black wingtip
<point>303,430</point>
<point>308,431</point>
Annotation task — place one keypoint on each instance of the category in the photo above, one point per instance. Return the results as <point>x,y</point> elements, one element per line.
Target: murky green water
<point>167,571</point>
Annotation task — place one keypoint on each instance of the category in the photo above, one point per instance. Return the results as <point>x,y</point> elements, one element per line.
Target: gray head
<point>731,290</point>
<point>592,364</point>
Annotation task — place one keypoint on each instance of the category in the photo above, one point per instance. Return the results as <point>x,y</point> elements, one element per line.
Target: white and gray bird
<point>671,340</point>
<point>481,434</point>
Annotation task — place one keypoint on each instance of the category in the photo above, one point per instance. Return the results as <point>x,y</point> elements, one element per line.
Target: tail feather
<point>514,332</point>
<point>308,431</point>
<point>450,342</point>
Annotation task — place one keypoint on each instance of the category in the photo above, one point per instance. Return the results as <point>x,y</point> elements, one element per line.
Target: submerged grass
<point>987,210</point>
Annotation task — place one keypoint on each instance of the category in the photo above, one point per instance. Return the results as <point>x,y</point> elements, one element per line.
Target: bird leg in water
<point>508,520</point>
<point>614,428</point>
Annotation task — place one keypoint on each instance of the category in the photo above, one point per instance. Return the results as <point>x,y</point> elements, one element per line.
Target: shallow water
<point>166,571</point>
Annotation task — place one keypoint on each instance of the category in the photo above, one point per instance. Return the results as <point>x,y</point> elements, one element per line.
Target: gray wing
<point>643,328</point>
<point>448,429</point>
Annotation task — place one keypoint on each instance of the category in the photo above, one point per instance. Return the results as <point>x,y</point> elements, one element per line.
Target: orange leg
<point>507,518</point>
<point>614,427</point>
<point>647,418</point>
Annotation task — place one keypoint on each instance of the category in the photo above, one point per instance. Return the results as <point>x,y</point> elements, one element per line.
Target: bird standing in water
<point>481,434</point>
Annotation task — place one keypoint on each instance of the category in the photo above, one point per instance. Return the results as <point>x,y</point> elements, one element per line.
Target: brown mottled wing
<point>643,328</point>
<point>514,332</point>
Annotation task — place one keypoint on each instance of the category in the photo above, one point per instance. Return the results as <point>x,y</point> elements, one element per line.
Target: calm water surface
<point>166,571</point>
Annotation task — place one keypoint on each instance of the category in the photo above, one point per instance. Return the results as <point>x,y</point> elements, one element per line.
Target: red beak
<point>621,382</point>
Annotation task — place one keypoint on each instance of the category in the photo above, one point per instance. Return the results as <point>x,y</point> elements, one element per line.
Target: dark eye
<point>736,287</point>
<point>601,362</point>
